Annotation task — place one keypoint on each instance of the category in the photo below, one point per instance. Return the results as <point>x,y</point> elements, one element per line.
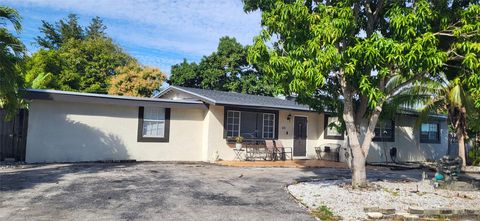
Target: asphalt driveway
<point>153,191</point>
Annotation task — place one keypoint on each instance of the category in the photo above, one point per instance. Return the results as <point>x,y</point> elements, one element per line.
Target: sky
<point>157,33</point>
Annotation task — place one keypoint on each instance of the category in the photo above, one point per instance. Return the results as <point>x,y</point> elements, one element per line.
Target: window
<point>430,133</point>
<point>385,131</point>
<point>153,124</point>
<point>233,123</point>
<point>332,127</point>
<point>268,126</point>
<point>250,123</point>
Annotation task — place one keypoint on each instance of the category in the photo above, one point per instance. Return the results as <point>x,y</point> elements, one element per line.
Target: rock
<point>446,211</point>
<point>375,215</point>
<point>431,212</point>
<point>371,209</point>
<point>387,211</point>
<point>458,211</point>
<point>416,210</point>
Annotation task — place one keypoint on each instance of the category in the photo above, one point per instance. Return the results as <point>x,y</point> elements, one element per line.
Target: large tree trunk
<point>461,145</point>
<point>359,173</point>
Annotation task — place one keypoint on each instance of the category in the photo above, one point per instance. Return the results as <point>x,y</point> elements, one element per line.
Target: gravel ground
<point>398,194</point>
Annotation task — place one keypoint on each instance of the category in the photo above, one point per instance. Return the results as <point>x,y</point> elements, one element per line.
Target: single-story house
<point>189,124</point>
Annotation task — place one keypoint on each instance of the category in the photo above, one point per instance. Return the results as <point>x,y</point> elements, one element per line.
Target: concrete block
<point>416,210</point>
<point>371,209</point>
<point>446,211</point>
<point>387,211</point>
<point>374,215</point>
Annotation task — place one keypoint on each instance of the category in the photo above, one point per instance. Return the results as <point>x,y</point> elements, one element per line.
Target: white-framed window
<point>385,131</point>
<point>233,123</point>
<point>153,124</point>
<point>250,124</point>
<point>268,126</point>
<point>430,133</point>
<point>333,128</point>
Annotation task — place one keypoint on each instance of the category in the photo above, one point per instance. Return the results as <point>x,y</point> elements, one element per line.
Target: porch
<point>286,163</point>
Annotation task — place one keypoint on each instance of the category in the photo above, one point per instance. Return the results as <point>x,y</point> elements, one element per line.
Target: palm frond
<point>7,13</point>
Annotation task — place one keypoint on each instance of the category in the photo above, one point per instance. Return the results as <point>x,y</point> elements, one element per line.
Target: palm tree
<point>440,96</point>
<point>11,53</point>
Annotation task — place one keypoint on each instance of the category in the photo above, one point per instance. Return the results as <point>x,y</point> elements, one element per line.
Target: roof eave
<point>32,94</point>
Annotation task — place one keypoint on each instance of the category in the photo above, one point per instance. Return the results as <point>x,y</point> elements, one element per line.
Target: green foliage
<point>226,69</point>
<point>316,40</point>
<point>474,155</point>
<point>74,58</point>
<point>365,52</point>
<point>11,53</point>
<point>324,213</point>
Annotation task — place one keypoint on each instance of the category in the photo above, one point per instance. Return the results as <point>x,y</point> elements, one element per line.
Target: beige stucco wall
<point>407,142</point>
<point>68,132</point>
<point>406,138</point>
<point>217,146</point>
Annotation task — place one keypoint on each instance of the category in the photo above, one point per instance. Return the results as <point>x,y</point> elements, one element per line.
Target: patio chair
<point>283,151</point>
<point>271,150</point>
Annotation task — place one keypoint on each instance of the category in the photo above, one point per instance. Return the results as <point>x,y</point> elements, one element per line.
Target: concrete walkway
<point>155,191</point>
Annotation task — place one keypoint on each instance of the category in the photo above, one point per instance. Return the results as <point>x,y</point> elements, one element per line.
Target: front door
<point>300,137</point>
<point>12,136</point>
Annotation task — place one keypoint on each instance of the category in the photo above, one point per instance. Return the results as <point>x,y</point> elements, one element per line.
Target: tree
<point>136,80</point>
<point>11,53</point>
<point>74,58</point>
<point>226,69</point>
<point>61,32</point>
<point>96,29</point>
<point>441,96</point>
<point>185,74</point>
<point>365,51</point>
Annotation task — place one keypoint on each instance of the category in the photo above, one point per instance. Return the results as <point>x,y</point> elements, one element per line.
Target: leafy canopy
<point>364,52</point>
<point>136,80</point>
<point>11,54</point>
<point>76,58</point>
<point>226,69</point>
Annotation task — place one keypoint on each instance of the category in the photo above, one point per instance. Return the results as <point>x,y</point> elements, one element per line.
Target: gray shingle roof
<point>238,99</point>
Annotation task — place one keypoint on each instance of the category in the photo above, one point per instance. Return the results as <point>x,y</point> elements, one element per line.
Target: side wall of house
<point>407,142</point>
<point>72,132</point>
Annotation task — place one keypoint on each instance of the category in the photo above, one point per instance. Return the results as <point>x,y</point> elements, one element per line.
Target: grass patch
<point>393,192</point>
<point>324,213</point>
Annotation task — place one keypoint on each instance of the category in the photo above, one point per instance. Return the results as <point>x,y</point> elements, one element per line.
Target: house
<point>189,124</point>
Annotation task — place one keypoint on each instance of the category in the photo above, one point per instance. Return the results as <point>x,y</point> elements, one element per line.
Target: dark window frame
<point>437,140</point>
<point>382,139</point>
<point>325,127</point>
<point>141,138</point>
<point>233,108</point>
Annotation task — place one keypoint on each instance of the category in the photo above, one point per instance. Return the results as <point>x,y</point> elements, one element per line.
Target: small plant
<point>393,192</point>
<point>324,213</point>
<point>474,156</point>
<point>239,139</point>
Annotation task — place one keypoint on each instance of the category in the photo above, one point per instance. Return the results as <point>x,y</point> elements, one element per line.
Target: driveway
<point>153,191</point>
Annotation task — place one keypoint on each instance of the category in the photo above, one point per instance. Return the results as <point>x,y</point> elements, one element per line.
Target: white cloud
<point>191,27</point>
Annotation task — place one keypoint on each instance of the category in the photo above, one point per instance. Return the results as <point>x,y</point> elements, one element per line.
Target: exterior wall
<point>217,146</point>
<point>407,142</point>
<point>314,120</point>
<point>70,132</point>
